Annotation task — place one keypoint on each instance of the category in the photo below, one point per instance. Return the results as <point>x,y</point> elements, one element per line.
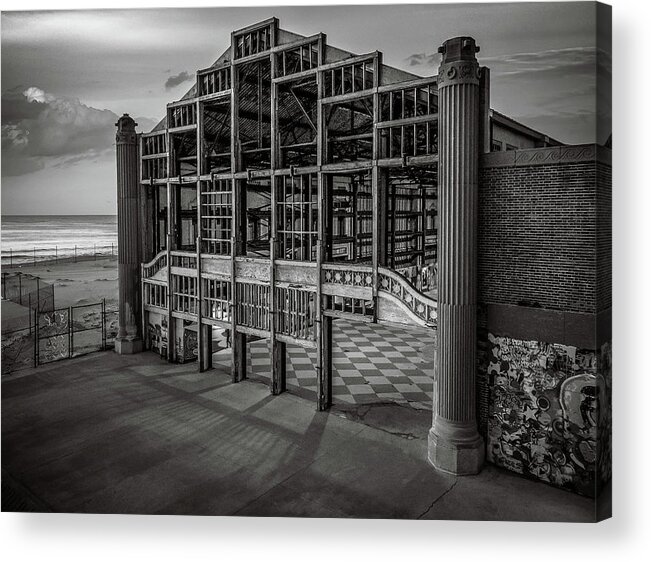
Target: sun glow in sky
<point>67,75</point>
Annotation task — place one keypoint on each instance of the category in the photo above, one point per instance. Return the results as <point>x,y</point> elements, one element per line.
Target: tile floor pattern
<point>371,363</point>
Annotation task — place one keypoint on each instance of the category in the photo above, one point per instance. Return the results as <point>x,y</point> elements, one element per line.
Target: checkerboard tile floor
<point>371,363</point>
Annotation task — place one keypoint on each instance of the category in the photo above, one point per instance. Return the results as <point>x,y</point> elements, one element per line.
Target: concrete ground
<point>133,434</point>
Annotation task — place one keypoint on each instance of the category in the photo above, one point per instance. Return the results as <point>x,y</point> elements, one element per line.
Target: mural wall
<point>549,412</point>
<point>157,333</point>
<point>185,337</point>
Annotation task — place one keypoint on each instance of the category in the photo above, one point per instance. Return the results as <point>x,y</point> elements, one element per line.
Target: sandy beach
<point>77,283</point>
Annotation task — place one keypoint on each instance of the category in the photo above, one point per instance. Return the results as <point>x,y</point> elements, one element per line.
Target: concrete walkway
<point>115,434</point>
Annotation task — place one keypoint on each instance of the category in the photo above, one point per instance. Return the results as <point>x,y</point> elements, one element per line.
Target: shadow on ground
<point>134,434</point>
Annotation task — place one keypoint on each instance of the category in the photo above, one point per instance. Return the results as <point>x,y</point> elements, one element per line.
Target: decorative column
<point>455,445</point>
<point>129,338</point>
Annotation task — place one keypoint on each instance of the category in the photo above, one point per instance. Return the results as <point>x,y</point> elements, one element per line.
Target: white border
<point>626,537</point>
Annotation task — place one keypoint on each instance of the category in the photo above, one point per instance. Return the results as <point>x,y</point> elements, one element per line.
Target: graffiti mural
<point>157,333</point>
<point>604,431</point>
<point>190,346</point>
<point>548,410</point>
<point>54,335</point>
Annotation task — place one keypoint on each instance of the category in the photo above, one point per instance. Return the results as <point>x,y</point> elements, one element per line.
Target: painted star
<point>529,413</point>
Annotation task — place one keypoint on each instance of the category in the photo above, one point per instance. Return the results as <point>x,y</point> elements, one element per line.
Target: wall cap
<point>547,156</point>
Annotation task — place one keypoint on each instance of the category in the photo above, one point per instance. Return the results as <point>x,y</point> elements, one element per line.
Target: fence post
<point>20,288</point>
<point>103,324</point>
<point>70,332</point>
<point>35,338</point>
<point>29,295</point>
<point>38,294</point>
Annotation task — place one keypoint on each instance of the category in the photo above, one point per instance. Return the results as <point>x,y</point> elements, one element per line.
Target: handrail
<point>183,253</point>
<point>183,259</point>
<point>154,266</point>
<point>395,284</point>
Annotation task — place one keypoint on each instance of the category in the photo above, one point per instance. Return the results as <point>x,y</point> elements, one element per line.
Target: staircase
<point>398,301</point>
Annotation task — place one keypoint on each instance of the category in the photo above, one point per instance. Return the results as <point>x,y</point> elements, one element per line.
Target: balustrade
<point>394,284</point>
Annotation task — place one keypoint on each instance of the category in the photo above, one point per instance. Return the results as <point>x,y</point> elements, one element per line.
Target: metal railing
<point>12,257</point>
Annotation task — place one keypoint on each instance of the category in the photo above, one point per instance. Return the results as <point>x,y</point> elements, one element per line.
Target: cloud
<point>178,79</point>
<point>40,129</point>
<point>423,59</point>
<point>558,61</point>
<point>563,92</point>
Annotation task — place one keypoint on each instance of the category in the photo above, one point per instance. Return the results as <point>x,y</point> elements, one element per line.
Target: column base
<point>128,346</point>
<point>456,450</point>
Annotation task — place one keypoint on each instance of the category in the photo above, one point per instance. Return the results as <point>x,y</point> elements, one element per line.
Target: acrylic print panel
<point>298,268</point>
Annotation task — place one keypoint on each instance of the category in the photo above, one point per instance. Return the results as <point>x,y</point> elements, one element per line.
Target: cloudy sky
<point>67,75</point>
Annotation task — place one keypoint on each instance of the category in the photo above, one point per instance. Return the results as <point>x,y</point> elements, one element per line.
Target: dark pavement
<point>133,434</point>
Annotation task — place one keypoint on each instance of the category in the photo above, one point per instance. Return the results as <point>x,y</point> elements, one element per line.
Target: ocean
<point>26,238</point>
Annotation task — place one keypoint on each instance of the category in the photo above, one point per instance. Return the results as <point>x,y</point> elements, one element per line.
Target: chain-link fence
<point>12,257</point>
<point>18,349</point>
<point>28,291</point>
<point>57,334</point>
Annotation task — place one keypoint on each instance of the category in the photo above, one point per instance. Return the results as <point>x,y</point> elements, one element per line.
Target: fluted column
<point>455,445</point>
<point>129,337</point>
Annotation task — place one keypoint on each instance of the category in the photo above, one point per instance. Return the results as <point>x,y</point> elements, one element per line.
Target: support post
<point>323,322</point>
<point>103,324</point>
<point>238,240</point>
<point>277,348</point>
<point>71,334</point>
<point>129,337</point>
<point>455,445</point>
<point>36,346</point>
<point>201,354</point>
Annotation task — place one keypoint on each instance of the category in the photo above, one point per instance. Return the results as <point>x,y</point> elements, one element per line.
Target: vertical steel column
<point>455,445</point>
<point>377,186</point>
<point>278,349</point>
<point>323,322</point>
<point>201,343</point>
<point>238,340</point>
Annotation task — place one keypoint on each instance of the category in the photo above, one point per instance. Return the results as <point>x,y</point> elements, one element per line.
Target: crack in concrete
<point>438,499</point>
<point>359,413</point>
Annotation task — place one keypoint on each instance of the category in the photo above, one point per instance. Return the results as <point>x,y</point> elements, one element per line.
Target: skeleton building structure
<point>296,184</point>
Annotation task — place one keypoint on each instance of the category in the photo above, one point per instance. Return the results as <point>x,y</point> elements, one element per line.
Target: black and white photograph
<point>318,262</point>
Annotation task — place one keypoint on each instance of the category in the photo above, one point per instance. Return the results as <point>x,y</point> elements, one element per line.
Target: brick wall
<point>604,236</point>
<point>537,230</point>
<point>545,252</point>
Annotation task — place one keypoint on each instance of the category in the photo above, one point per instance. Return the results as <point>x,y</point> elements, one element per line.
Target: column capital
<point>126,130</point>
<point>459,64</point>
